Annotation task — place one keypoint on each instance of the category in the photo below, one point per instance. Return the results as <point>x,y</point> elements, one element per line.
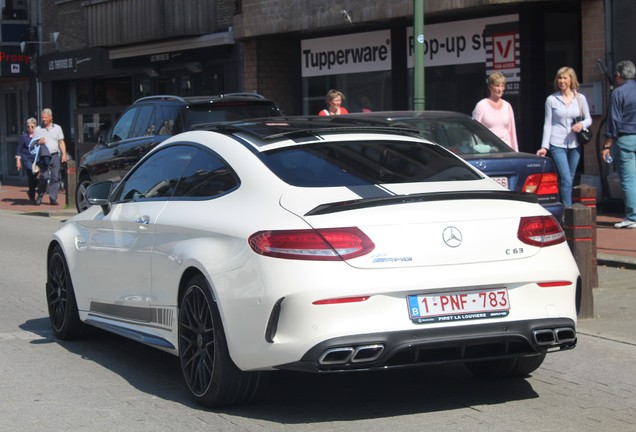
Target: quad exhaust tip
<point>344,355</point>
<point>558,336</point>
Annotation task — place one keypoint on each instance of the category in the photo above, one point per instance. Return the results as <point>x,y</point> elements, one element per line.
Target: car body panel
<point>180,236</point>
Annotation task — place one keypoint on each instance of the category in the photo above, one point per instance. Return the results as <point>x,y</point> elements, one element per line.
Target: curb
<point>616,261</point>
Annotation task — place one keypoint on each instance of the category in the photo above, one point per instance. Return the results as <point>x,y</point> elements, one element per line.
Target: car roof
<point>298,128</point>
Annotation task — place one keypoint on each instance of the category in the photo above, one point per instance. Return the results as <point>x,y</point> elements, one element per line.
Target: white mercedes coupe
<point>314,244</point>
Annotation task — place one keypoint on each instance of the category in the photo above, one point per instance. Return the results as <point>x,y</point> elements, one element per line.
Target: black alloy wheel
<point>60,298</point>
<point>210,374</point>
<point>81,202</point>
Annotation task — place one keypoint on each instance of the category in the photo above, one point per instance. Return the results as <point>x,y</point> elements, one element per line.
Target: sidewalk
<point>14,198</point>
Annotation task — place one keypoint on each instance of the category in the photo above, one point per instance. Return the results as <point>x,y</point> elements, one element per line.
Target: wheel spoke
<point>57,294</point>
<point>196,340</point>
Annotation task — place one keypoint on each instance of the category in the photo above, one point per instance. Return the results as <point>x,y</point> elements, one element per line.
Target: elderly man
<point>53,136</point>
<point>621,129</point>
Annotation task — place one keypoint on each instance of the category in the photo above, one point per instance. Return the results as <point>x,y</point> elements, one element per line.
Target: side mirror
<point>99,193</point>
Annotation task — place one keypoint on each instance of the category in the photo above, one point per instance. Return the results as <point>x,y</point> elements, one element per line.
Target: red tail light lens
<point>540,231</point>
<point>332,244</point>
<point>542,184</point>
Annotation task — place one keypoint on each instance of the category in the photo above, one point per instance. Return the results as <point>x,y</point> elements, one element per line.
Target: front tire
<point>81,202</point>
<point>60,298</point>
<point>210,374</point>
<point>506,368</point>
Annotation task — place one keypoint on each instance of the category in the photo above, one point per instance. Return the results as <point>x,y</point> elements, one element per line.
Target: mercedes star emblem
<point>452,237</point>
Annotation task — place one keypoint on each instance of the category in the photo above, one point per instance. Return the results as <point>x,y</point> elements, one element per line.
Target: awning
<point>208,40</point>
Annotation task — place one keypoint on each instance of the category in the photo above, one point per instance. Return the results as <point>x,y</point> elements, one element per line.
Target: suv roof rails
<point>256,95</point>
<point>161,97</point>
<point>182,99</point>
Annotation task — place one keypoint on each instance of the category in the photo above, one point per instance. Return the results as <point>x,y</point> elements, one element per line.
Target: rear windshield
<point>365,163</point>
<point>227,111</point>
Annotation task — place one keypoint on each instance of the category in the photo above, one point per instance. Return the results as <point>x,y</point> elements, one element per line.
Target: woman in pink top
<point>495,113</point>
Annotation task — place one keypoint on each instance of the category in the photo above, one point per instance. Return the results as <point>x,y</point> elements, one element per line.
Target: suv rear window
<point>227,111</point>
<point>366,163</point>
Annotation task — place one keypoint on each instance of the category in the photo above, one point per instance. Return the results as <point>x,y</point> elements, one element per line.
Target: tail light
<point>542,184</point>
<point>540,231</point>
<point>330,244</point>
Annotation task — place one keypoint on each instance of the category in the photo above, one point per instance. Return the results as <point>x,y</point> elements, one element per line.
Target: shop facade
<point>16,70</point>
<point>88,89</point>
<point>372,62</point>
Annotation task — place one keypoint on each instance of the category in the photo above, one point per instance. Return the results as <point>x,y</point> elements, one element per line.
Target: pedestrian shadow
<point>17,201</point>
<point>296,397</point>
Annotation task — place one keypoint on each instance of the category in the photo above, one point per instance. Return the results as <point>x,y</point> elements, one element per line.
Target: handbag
<point>585,135</point>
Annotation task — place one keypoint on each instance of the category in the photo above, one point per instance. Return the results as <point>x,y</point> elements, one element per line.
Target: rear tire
<point>210,374</point>
<point>60,298</point>
<point>506,368</point>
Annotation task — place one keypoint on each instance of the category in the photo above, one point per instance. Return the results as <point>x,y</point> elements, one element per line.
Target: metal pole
<point>38,83</point>
<point>418,56</point>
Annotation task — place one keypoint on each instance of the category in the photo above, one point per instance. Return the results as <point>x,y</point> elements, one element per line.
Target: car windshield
<point>461,136</point>
<point>365,163</point>
<point>197,114</point>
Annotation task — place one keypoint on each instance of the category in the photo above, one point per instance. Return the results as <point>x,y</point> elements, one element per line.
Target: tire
<point>506,368</point>
<point>81,202</point>
<point>60,298</point>
<point>210,374</point>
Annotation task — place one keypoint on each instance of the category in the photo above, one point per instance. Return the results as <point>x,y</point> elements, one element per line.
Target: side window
<point>123,127</point>
<point>158,176</point>
<point>166,117</point>
<point>206,176</point>
<point>144,124</point>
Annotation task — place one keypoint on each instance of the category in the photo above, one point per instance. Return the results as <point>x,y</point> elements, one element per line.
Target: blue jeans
<point>627,171</point>
<point>566,160</point>
<point>50,178</point>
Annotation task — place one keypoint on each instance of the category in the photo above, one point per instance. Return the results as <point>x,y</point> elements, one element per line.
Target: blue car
<point>469,139</point>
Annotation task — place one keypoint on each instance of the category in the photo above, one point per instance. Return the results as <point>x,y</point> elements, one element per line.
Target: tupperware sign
<point>360,52</point>
<point>457,42</point>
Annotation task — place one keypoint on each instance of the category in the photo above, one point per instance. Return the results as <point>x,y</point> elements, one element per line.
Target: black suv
<point>149,121</point>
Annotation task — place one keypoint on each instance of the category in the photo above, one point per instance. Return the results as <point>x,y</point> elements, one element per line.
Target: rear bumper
<point>430,345</point>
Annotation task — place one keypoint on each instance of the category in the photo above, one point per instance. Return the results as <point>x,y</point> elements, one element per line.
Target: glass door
<point>12,119</point>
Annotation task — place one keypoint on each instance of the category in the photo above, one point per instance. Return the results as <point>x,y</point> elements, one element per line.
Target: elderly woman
<point>25,157</point>
<point>497,114</point>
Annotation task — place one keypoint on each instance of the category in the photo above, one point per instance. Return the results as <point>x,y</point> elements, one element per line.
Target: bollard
<point>71,183</point>
<point>579,229</point>
<point>586,195</point>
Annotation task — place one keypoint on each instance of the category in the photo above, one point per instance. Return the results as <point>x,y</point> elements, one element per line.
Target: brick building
<point>110,52</point>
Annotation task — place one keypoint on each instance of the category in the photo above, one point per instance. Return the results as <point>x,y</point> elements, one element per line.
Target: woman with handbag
<point>567,115</point>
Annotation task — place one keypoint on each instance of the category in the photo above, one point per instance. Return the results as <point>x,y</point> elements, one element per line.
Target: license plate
<point>467,305</point>
<point>503,181</point>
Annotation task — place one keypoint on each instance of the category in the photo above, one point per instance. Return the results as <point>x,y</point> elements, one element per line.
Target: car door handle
<point>143,220</point>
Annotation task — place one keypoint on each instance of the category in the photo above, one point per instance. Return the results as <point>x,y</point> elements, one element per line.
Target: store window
<point>14,9</point>
<point>363,91</point>
<point>358,65</point>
